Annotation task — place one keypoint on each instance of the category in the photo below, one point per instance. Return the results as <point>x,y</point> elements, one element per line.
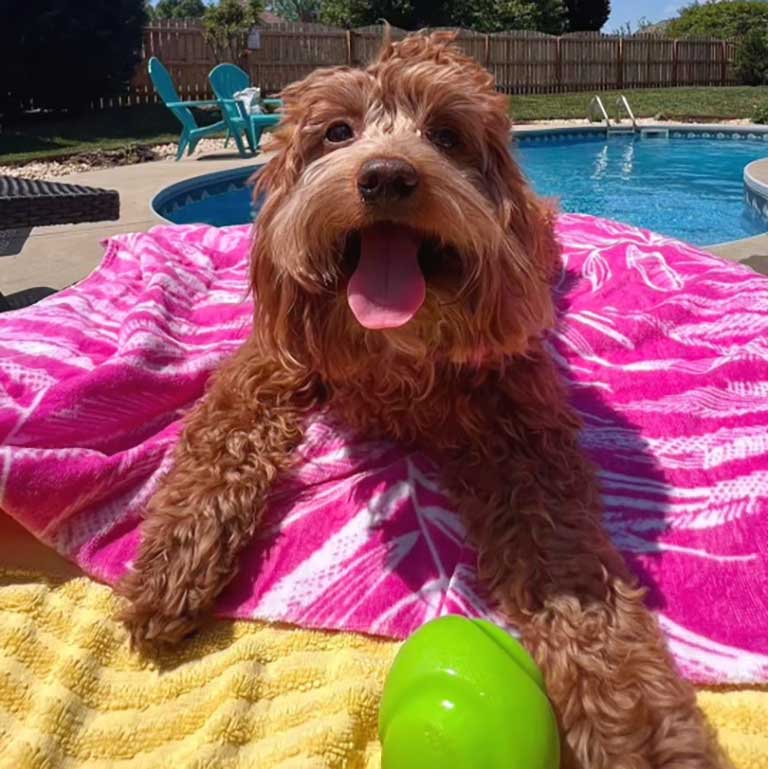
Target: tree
<point>499,15</point>
<point>297,10</point>
<point>180,9</point>
<point>480,15</point>
<point>64,53</point>
<point>226,26</point>
<point>587,15</point>
<point>359,13</point>
<point>723,20</point>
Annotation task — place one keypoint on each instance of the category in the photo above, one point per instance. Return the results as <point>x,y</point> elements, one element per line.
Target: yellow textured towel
<point>243,694</point>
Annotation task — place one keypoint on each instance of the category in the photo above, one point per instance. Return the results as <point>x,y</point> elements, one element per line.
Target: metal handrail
<point>598,102</point>
<point>622,102</point>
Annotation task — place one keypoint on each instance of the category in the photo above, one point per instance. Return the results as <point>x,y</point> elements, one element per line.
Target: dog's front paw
<point>149,628</point>
<point>150,616</point>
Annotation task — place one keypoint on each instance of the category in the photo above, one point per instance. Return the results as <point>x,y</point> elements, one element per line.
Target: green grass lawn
<point>43,137</point>
<point>672,103</point>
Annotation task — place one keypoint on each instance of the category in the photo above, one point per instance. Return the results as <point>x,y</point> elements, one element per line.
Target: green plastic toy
<point>463,694</point>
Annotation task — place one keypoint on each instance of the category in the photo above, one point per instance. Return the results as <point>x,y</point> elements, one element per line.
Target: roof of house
<point>267,17</point>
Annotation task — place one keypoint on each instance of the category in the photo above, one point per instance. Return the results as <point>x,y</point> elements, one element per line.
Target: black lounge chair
<point>32,203</point>
<point>24,298</point>
<point>26,203</point>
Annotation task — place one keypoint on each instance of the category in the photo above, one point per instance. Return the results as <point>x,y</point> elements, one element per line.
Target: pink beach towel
<point>666,351</point>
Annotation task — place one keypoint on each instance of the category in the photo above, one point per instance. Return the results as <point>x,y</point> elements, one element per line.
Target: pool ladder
<point>597,109</point>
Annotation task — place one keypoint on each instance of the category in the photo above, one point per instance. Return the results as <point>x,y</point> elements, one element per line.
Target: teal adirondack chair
<point>226,80</point>
<point>191,132</point>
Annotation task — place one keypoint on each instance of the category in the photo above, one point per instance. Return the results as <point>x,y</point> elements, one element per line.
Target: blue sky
<point>623,11</point>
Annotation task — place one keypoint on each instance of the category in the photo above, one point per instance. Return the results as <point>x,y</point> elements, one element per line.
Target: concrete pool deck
<point>750,251</point>
<point>60,255</point>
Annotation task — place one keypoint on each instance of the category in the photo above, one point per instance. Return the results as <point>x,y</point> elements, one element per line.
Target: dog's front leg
<point>532,507</point>
<point>208,507</point>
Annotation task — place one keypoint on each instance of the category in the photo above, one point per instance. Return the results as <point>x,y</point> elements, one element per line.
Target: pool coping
<point>203,180</point>
<point>756,196</point>
<point>599,128</point>
<point>751,184</point>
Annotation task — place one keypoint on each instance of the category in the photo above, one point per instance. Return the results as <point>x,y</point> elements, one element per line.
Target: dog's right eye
<point>444,138</point>
<point>339,132</point>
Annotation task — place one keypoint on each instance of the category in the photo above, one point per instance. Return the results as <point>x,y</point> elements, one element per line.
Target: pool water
<point>219,204</point>
<point>688,188</point>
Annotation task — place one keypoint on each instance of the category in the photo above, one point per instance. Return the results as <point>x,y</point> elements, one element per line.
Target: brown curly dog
<point>403,271</point>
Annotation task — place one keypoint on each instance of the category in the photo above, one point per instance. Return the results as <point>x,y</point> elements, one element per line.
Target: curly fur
<point>467,380</point>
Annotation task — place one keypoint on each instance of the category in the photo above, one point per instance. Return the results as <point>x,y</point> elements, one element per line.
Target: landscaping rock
<point>87,161</point>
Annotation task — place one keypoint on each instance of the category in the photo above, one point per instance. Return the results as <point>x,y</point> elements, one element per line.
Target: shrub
<point>723,20</point>
<point>751,62</point>
<point>760,114</point>
<point>65,53</point>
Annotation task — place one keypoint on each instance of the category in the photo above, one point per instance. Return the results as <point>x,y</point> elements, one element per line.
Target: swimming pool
<point>691,188</point>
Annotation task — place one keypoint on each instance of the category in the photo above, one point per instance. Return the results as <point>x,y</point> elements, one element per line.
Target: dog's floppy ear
<point>284,167</point>
<point>305,103</point>
<point>541,216</point>
<point>528,216</point>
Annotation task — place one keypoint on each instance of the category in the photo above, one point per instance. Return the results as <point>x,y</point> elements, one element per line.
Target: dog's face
<point>396,222</point>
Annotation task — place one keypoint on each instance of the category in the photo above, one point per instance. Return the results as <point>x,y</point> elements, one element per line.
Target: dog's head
<point>396,223</point>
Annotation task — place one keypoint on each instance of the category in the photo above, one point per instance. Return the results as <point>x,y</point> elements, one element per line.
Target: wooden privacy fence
<point>522,62</point>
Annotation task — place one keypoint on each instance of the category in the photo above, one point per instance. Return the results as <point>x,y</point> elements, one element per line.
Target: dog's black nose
<point>386,179</point>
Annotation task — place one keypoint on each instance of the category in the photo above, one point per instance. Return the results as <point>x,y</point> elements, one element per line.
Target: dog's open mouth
<point>388,264</point>
<point>387,287</point>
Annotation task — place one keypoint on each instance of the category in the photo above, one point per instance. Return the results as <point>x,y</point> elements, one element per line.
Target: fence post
<point>724,63</point>
<point>674,63</point>
<point>620,64</point>
<point>508,67</point>
<point>523,63</point>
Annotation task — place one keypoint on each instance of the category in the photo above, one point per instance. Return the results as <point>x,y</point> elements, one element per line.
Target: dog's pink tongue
<point>387,288</point>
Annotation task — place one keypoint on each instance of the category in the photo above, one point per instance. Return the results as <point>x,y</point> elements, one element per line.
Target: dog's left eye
<point>340,132</point>
<point>444,138</point>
